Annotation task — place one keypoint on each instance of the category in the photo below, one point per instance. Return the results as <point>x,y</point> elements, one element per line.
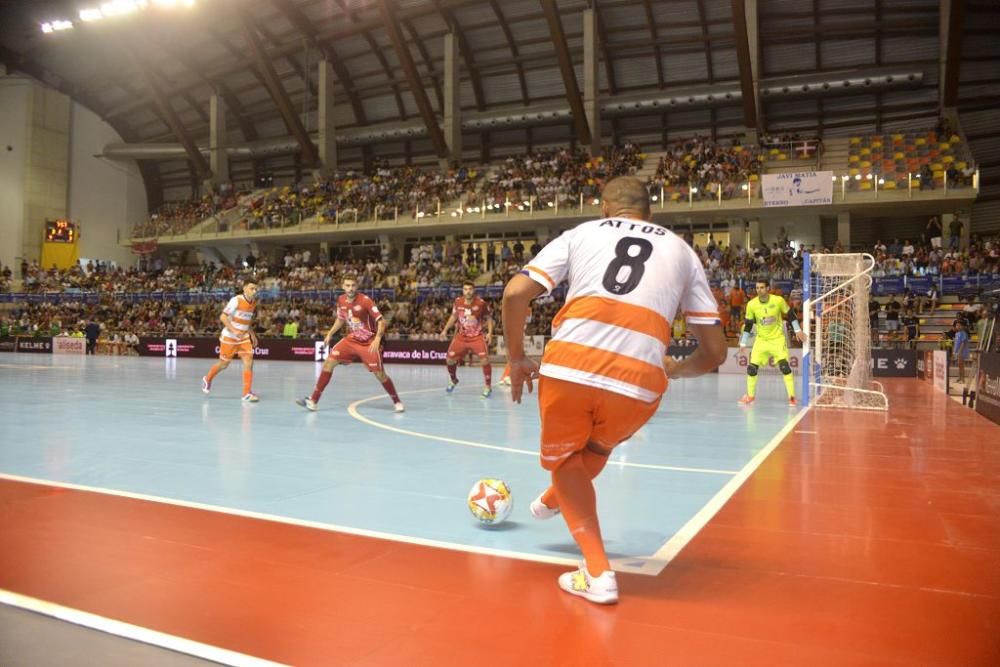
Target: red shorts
<point>348,350</point>
<point>574,415</point>
<point>462,346</point>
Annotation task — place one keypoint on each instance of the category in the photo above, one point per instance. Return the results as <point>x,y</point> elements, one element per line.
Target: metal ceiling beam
<point>512,44</point>
<point>463,49</point>
<point>416,87</point>
<point>708,41</point>
<point>602,38</point>
<point>743,59</point>
<point>376,51</point>
<point>651,21</point>
<point>292,61</point>
<point>566,69</point>
<point>305,28</point>
<point>310,156</point>
<point>428,63</point>
<point>197,160</point>
<point>953,60</point>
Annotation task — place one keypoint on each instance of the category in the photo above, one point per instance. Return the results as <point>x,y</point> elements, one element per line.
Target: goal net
<point>837,354</point>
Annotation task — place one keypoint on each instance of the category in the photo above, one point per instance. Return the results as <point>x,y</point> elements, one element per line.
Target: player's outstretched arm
<point>517,298</point>
<point>709,355</point>
<point>447,326</point>
<point>334,329</point>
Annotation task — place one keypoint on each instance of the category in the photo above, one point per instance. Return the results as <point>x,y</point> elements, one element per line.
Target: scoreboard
<point>60,231</point>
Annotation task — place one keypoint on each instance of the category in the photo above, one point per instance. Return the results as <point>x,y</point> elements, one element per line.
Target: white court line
<point>303,523</point>
<point>352,410</point>
<point>132,632</point>
<point>655,563</point>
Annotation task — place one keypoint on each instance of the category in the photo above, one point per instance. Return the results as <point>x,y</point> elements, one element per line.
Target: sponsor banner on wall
<point>8,344</point>
<point>533,346</point>
<point>737,363</point>
<point>894,363</point>
<point>941,370</point>
<point>68,345</point>
<point>804,188</point>
<point>287,349</point>
<point>921,365</point>
<point>929,366</point>
<point>988,386</point>
<point>35,345</point>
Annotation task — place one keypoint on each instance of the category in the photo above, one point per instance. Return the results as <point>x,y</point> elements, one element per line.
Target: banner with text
<point>804,188</point>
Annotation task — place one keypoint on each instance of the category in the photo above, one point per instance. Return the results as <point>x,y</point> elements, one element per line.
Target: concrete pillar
<point>737,233</point>
<point>753,37</point>
<point>452,107</point>
<point>754,231</point>
<point>591,89</point>
<point>844,229</point>
<point>327,128</point>
<point>45,194</point>
<point>218,141</point>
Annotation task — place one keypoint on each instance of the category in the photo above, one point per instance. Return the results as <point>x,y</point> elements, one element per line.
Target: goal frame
<point>812,385</point>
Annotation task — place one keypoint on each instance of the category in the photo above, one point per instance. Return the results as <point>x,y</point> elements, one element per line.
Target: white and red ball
<point>490,501</point>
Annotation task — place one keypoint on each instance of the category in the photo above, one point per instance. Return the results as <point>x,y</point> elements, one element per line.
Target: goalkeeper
<point>768,312</point>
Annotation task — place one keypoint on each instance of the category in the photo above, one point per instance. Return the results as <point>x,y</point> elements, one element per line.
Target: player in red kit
<point>365,328</point>
<point>469,312</point>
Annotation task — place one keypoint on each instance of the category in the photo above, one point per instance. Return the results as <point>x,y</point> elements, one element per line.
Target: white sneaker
<point>599,590</point>
<point>250,398</point>
<point>398,407</point>
<point>540,510</point>
<point>206,386</point>
<point>307,403</point>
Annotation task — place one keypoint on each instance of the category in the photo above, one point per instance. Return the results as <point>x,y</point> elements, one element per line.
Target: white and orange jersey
<point>627,281</point>
<point>240,313</point>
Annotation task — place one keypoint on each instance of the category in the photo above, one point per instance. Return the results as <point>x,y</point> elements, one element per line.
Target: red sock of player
<point>453,372</point>
<point>324,379</point>
<point>592,461</point>
<point>390,389</point>
<point>578,504</point>
<point>247,381</point>
<point>213,371</point>
<point>487,374</point>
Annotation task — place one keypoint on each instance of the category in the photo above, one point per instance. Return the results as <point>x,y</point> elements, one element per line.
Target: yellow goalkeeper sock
<point>751,385</point>
<point>790,384</point>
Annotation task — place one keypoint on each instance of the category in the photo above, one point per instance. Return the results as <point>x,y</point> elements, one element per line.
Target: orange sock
<point>212,372</point>
<point>578,503</point>
<point>247,381</point>
<point>594,463</point>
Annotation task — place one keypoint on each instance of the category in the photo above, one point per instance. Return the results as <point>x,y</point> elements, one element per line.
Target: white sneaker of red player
<point>398,407</point>
<point>602,589</point>
<point>451,386</point>
<point>307,403</point>
<point>206,386</point>
<point>250,397</point>
<point>540,510</point>
<point>486,392</point>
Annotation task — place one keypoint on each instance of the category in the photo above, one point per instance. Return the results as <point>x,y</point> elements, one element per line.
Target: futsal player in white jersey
<point>605,369</point>
<point>237,338</point>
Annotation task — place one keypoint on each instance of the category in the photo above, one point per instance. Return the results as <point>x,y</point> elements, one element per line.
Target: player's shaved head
<point>627,197</point>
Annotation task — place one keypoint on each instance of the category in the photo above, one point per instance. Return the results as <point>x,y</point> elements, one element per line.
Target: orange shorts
<point>228,350</point>
<point>574,415</point>
<point>461,346</point>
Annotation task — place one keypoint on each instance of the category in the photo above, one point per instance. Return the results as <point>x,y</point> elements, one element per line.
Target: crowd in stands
<point>180,216</point>
<point>700,167</point>
<point>559,176</point>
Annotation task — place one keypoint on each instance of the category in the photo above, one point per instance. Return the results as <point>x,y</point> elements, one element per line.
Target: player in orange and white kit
<point>237,338</point>
<point>363,343</point>
<point>469,312</point>
<point>605,369</point>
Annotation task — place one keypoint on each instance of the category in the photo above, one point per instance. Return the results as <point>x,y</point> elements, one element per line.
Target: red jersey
<point>470,316</point>
<point>361,316</point>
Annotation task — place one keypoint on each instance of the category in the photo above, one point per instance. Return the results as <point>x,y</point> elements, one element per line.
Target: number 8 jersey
<point>627,280</point>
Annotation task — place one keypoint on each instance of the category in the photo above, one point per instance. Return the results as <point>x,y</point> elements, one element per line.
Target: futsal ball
<point>490,501</point>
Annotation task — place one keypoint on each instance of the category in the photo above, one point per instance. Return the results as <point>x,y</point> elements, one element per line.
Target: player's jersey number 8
<point>636,265</point>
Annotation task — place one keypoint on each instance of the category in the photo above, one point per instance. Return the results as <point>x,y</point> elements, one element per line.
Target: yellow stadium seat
<point>877,143</point>
<point>898,155</point>
<point>920,141</point>
<point>948,159</point>
<point>866,151</point>
<point>938,174</point>
<point>854,171</point>
<point>853,158</point>
<point>774,151</point>
<point>855,141</point>
<point>944,145</point>
<point>866,185</point>
<point>890,185</point>
<point>754,177</point>
<point>866,164</point>
<point>960,165</point>
<point>897,137</point>
<point>937,166</point>
<point>955,139</point>
<point>782,156</point>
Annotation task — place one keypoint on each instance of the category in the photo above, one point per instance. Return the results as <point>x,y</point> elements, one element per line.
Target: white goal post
<point>836,357</point>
